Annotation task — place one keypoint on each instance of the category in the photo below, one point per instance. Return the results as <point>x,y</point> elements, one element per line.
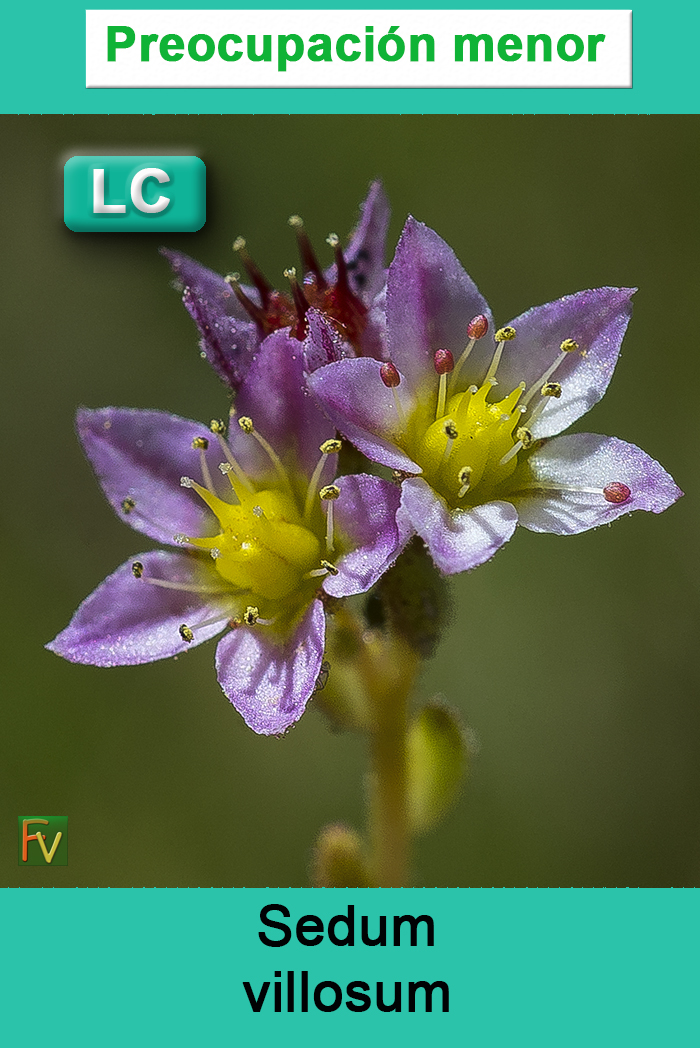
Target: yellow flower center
<point>462,452</point>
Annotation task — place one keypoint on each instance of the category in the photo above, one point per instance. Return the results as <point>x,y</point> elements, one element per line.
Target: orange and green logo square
<point>43,840</point>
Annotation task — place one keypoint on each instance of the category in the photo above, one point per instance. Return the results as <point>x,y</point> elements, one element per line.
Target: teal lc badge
<point>134,194</point>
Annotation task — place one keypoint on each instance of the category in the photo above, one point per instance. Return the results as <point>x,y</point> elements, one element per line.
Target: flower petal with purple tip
<point>141,455</point>
<point>430,301</point>
<point>127,621</point>
<point>364,256</point>
<point>597,320</point>
<point>458,540</point>
<point>588,460</point>
<point>269,680</point>
<point>365,516</point>
<point>229,338</point>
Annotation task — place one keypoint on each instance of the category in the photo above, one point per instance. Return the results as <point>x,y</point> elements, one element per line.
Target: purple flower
<point>233,319</point>
<point>262,534</point>
<point>465,413</point>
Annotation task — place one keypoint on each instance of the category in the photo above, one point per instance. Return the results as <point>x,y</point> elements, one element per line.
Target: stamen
<point>246,424</point>
<point>254,311</point>
<point>391,379</point>
<point>233,465</point>
<point>137,569</point>
<point>300,301</point>
<point>341,269</point>
<point>549,389</point>
<point>464,478</point>
<point>308,256</point>
<point>202,444</point>
<point>261,283</point>
<point>330,493</point>
<point>451,432</point>
<point>331,447</point>
<point>183,587</point>
<point>128,504</point>
<point>476,329</point>
<point>218,426</point>
<point>327,568</point>
<point>506,334</point>
<point>567,346</point>
<point>251,615</point>
<point>444,364</point>
<point>186,634</point>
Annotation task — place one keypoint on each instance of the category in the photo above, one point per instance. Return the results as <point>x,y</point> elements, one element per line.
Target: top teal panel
<point>43,71</point>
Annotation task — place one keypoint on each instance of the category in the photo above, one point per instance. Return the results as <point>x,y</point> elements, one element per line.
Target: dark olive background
<point>573,662</point>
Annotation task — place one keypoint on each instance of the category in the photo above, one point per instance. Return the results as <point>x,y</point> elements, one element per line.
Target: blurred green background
<point>573,662</point>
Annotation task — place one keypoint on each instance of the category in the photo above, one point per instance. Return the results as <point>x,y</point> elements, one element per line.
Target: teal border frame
<point>43,71</point>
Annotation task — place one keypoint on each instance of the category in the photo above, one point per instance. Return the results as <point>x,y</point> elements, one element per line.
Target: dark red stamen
<point>256,312</point>
<point>616,492</point>
<point>308,255</point>
<point>390,375</point>
<point>477,326</point>
<point>444,361</point>
<point>260,281</point>
<point>300,304</point>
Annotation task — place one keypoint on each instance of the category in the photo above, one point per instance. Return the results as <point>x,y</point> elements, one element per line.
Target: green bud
<point>338,861</point>
<point>436,764</point>
<point>415,598</point>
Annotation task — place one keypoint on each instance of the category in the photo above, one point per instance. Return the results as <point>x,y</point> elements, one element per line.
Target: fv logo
<point>43,839</point>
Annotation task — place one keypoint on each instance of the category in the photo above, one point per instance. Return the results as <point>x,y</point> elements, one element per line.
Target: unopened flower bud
<point>444,361</point>
<point>616,492</point>
<point>477,326</point>
<point>505,334</point>
<point>390,375</point>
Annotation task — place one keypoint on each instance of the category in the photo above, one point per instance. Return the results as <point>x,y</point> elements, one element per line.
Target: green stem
<point>389,681</point>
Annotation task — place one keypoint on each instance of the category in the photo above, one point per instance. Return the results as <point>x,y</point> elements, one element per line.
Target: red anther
<point>616,492</point>
<point>477,326</point>
<point>390,375</point>
<point>444,361</point>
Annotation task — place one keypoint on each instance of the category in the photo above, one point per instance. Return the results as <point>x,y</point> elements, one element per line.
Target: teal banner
<point>490,968</point>
<point>48,73</point>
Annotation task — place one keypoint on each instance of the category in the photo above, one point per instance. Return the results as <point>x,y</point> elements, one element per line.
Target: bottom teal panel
<point>485,967</point>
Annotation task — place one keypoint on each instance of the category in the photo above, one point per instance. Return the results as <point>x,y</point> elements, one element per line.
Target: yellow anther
<point>239,244</point>
<point>137,569</point>
<point>568,345</point>
<point>330,568</point>
<point>291,273</point>
<point>330,493</point>
<point>232,278</point>
<point>505,334</point>
<point>524,436</point>
<point>128,504</point>
<point>217,425</point>
<point>200,442</point>
<point>251,615</point>
<point>331,447</point>
<point>551,389</point>
<point>186,634</point>
<point>464,474</point>
<point>332,239</point>
<point>295,221</point>
<point>450,430</point>
<point>246,423</point>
